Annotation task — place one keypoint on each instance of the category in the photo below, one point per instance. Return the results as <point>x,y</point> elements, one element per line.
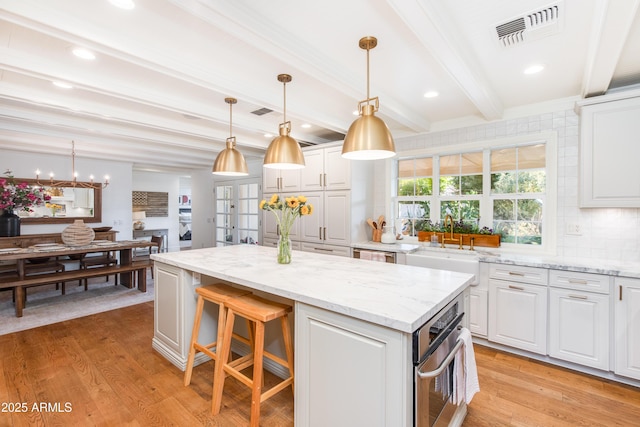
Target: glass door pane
<point>248,212</point>
<point>224,215</point>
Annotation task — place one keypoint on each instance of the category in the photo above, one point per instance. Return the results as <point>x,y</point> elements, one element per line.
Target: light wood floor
<point>103,366</point>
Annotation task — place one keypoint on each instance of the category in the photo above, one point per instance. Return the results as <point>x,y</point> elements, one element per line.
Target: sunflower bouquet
<point>286,211</point>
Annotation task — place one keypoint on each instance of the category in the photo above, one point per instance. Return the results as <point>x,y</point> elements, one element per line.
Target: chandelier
<point>74,182</point>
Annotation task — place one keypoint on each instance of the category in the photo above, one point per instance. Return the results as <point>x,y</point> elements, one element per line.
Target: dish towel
<point>373,256</point>
<point>465,383</point>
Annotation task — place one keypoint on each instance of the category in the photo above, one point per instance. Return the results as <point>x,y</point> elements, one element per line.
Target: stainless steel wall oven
<point>435,345</point>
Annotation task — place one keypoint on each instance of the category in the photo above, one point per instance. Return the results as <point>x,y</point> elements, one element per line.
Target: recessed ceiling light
<point>63,85</point>
<point>533,69</point>
<point>83,53</point>
<point>268,135</point>
<point>356,113</point>
<point>431,94</point>
<point>306,125</point>
<point>123,4</point>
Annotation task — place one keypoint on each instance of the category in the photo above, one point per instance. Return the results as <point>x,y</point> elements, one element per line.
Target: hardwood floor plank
<point>105,367</point>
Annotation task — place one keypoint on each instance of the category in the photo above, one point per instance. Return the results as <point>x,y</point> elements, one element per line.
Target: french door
<point>237,212</point>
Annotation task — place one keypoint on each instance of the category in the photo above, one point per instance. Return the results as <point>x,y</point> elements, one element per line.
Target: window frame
<point>549,223</point>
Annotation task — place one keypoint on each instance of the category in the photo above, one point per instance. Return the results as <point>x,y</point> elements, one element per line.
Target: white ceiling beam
<point>436,32</point>
<point>245,23</point>
<point>613,21</point>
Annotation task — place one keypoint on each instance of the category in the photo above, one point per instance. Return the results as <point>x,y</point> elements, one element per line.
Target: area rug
<point>45,305</point>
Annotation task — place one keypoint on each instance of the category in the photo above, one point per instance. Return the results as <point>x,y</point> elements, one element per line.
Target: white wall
<point>607,234</point>
<point>116,198</point>
<point>164,183</point>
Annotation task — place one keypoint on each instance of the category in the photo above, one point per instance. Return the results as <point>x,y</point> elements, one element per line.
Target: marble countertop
<point>608,267</point>
<point>397,296</point>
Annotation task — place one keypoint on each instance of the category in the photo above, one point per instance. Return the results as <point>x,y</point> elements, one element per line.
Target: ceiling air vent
<point>531,26</point>
<point>261,111</point>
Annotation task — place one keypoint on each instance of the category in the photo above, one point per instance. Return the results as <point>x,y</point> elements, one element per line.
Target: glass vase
<point>284,249</point>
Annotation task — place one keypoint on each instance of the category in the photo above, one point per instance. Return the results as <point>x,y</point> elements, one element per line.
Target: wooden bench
<point>19,284</point>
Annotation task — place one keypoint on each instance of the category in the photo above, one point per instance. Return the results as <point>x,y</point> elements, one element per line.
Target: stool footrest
<point>275,389</point>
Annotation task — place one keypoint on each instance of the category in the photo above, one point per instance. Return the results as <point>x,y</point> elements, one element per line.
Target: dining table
<point>125,268</point>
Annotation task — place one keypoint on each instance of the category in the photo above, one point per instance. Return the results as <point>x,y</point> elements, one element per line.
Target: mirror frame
<point>97,207</point>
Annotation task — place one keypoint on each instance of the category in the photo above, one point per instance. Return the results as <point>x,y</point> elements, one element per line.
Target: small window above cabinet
<point>609,150</point>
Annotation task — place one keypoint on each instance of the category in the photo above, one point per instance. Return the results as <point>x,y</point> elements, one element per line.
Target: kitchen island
<point>353,323</point>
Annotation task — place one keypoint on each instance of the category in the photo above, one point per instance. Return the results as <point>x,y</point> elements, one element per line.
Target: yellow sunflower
<point>292,202</point>
<point>262,203</point>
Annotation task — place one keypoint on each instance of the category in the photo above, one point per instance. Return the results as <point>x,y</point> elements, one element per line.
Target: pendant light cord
<point>284,90</point>
<point>368,97</point>
<point>230,120</point>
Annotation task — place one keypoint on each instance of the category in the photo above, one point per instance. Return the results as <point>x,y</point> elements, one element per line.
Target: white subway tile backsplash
<point>607,234</point>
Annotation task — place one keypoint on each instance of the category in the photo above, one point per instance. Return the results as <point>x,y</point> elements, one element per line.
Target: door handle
<point>445,363</point>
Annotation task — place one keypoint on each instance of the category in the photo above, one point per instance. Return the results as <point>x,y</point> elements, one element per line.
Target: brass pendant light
<point>284,152</point>
<point>368,137</point>
<point>230,162</point>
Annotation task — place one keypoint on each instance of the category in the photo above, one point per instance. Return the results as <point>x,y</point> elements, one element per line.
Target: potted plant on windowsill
<point>481,236</point>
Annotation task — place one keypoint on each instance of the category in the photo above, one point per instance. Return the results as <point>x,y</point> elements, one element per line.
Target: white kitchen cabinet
<point>331,219</point>
<point>350,372</point>
<point>323,248</point>
<point>325,169</point>
<point>280,180</point>
<point>518,308</point>
<point>270,224</point>
<point>579,318</point>
<point>627,327</point>
<point>478,303</point>
<point>295,245</point>
<point>174,310</point>
<point>609,149</point>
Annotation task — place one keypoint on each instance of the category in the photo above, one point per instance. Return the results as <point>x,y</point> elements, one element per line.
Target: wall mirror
<point>66,205</point>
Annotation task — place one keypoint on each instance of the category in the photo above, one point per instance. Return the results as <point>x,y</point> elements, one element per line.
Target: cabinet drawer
<point>321,248</point>
<point>579,281</point>
<point>517,273</point>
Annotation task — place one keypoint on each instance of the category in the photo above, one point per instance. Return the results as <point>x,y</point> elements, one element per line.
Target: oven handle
<point>440,369</point>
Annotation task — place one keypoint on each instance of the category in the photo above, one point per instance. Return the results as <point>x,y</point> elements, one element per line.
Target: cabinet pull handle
<point>620,292</point>
<point>320,176</point>
<point>325,234</point>
<point>323,249</point>
<point>578,296</point>
<point>516,273</point>
<point>325,179</point>
<point>517,288</point>
<point>320,233</point>
<point>578,282</point>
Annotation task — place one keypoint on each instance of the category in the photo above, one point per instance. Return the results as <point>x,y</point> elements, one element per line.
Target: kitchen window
<point>508,187</point>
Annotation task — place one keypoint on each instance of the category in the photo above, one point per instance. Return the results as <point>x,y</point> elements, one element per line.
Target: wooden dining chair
<point>158,247</point>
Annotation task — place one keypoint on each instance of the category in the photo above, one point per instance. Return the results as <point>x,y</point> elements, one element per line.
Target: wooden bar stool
<point>259,311</point>
<point>218,293</point>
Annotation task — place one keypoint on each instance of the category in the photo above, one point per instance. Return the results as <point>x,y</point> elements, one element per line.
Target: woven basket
<point>78,234</point>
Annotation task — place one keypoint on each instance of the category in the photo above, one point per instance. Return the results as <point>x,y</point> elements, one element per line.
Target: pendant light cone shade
<point>284,151</point>
<point>368,137</point>
<point>230,161</point>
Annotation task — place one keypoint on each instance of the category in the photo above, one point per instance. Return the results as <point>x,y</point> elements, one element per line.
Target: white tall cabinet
<point>627,327</point>
<point>341,193</point>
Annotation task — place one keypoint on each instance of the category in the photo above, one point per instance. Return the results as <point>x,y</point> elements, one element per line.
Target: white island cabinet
<point>353,323</point>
